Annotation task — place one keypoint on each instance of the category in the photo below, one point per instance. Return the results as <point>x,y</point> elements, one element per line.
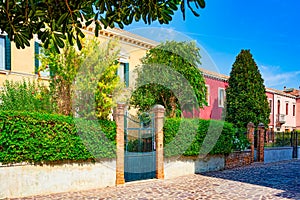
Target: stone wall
<point>275,154</point>
<point>178,167</point>
<point>175,167</point>
<point>27,180</point>
<point>238,159</point>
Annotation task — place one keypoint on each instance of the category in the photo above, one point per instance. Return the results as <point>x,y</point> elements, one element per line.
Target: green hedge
<point>189,138</point>
<point>42,138</point>
<point>36,138</point>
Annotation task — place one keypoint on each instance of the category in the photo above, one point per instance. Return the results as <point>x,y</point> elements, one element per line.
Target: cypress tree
<point>246,94</point>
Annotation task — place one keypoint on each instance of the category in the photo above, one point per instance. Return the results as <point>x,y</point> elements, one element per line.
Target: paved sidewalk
<point>258,181</point>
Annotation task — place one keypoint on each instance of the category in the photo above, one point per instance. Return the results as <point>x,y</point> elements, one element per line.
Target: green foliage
<point>42,138</point>
<point>282,139</point>
<point>94,70</point>
<point>169,76</point>
<point>45,138</point>
<point>64,67</point>
<point>56,21</point>
<point>184,141</point>
<point>97,81</point>
<point>245,95</point>
<point>25,96</point>
<point>241,141</point>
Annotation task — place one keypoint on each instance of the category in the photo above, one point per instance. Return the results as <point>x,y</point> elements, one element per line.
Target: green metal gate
<point>140,155</point>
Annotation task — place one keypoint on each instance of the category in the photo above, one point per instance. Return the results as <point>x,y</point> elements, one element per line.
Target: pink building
<point>284,104</point>
<point>270,96</point>
<point>216,85</point>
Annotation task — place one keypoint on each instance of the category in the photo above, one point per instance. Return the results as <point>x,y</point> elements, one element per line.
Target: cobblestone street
<point>258,181</point>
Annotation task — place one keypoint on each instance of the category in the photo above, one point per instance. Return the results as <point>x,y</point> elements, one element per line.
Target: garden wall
<point>190,165</point>
<point>27,180</point>
<point>275,154</point>
<point>238,159</point>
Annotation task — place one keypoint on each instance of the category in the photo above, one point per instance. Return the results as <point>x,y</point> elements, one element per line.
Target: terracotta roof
<point>212,74</point>
<point>295,93</point>
<point>281,92</point>
<point>123,36</point>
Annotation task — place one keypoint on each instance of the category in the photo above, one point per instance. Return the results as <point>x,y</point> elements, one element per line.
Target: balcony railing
<point>280,118</point>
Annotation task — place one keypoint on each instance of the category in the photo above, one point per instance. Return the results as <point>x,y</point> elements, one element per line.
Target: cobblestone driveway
<point>258,181</point>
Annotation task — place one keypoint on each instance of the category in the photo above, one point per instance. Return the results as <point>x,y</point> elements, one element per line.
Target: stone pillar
<point>159,112</point>
<point>260,144</point>
<point>119,117</point>
<point>250,136</point>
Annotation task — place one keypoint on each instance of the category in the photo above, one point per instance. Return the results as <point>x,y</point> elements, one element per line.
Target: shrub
<point>25,96</point>
<point>42,138</point>
<point>241,141</point>
<point>187,142</point>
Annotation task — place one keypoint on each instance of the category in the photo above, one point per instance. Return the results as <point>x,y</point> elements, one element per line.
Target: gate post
<point>119,117</point>
<point>159,112</point>
<point>250,136</point>
<point>260,144</point>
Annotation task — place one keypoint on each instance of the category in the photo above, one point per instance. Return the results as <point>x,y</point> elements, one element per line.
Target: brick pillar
<point>159,112</point>
<point>119,117</point>
<point>250,136</point>
<point>267,136</point>
<point>260,144</point>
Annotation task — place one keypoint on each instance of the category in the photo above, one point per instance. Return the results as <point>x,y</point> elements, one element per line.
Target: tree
<point>97,81</point>
<point>64,67</point>
<point>169,76</point>
<point>246,95</point>
<point>71,65</point>
<point>53,20</point>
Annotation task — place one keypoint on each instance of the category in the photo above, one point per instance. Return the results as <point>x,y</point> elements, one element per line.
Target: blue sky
<point>269,28</point>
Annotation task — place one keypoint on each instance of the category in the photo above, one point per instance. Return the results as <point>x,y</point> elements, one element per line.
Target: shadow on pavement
<point>281,175</point>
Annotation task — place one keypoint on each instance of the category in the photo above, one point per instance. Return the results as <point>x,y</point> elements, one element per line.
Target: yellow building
<point>17,64</point>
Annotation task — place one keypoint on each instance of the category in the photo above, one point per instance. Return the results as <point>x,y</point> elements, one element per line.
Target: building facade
<point>284,105</point>
<point>18,64</point>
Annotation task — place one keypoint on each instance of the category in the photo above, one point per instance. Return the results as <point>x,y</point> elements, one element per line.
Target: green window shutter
<point>7,53</point>
<point>36,60</point>
<point>126,74</point>
<point>52,74</point>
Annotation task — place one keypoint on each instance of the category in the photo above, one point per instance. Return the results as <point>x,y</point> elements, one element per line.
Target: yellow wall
<point>23,61</point>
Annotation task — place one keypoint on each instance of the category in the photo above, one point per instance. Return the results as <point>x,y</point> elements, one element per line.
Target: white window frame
<point>221,100</point>
<point>2,57</point>
<point>46,72</point>
<point>207,94</point>
<point>294,110</point>
<point>286,109</point>
<point>120,72</point>
<point>271,105</point>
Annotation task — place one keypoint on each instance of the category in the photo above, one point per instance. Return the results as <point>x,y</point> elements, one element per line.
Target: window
<point>207,95</point>
<point>221,97</point>
<point>2,53</point>
<point>270,105</point>
<point>294,110</point>
<point>286,108</point>
<point>37,62</point>
<point>278,107</point>
<point>5,53</point>
<point>123,73</point>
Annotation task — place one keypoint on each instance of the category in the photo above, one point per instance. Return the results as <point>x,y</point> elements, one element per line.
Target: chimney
<point>284,88</point>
